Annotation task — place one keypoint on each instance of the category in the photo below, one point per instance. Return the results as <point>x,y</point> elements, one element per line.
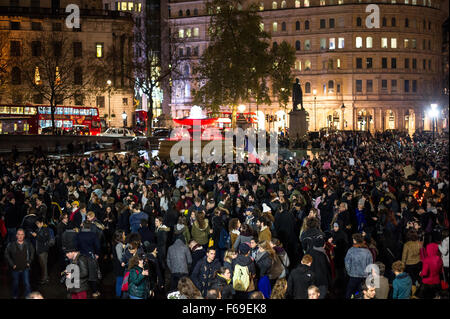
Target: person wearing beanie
<point>76,258</point>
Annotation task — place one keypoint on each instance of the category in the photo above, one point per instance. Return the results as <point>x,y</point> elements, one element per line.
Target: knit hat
<point>244,248</point>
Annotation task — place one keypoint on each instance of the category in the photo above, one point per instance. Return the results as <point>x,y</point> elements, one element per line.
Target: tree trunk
<point>233,116</point>
<point>150,116</point>
<point>52,111</point>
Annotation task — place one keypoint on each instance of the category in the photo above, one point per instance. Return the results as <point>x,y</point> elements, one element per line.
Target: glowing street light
<point>241,108</point>
<point>433,113</point>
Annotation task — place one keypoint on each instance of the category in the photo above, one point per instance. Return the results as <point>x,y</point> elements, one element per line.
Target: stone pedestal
<point>297,125</point>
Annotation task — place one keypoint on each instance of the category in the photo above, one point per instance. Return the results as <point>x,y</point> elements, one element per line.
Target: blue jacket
<point>135,221</point>
<point>402,286</point>
<point>356,261</point>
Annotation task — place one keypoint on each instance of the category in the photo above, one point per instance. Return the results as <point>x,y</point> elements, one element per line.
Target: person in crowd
<point>382,290</point>
<point>300,279</point>
<point>279,289</point>
<point>205,270</point>
<point>118,265</point>
<point>179,261</point>
<point>43,241</point>
<point>313,292</point>
<point>222,282</point>
<point>138,282</point>
<point>367,292</point>
<point>79,290</point>
<point>411,255</point>
<point>431,271</point>
<point>402,284</point>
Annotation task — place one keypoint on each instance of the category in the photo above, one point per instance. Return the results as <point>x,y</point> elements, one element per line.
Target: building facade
<point>355,74</point>
<point>100,31</point>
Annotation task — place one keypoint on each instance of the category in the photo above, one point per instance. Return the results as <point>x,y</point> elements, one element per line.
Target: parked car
<point>118,132</point>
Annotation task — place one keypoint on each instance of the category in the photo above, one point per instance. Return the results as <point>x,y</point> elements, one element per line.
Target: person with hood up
<point>431,270</point>
<point>181,228</point>
<point>300,279</point>
<point>200,229</point>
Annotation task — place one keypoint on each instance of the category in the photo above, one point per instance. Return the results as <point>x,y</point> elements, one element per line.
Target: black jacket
<point>203,274</point>
<point>320,267</point>
<point>11,249</point>
<point>42,240</point>
<point>263,264</point>
<point>69,239</point>
<point>312,237</point>
<point>299,280</point>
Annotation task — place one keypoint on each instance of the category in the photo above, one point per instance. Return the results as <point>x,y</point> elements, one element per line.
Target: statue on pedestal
<point>297,95</point>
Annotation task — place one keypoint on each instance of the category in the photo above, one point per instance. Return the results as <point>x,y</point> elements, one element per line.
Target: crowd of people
<point>366,217</point>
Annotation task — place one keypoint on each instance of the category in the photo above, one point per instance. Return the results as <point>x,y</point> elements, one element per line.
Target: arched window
<point>196,12</point>
<point>297,45</point>
<point>322,2</point>
<point>307,87</point>
<point>275,27</point>
<point>369,42</point>
<point>297,3</point>
<point>358,22</point>
<point>330,86</point>
<point>188,12</point>
<point>306,25</point>
<point>406,23</point>
<point>180,13</point>
<point>359,42</point>
<point>306,3</point>
<point>186,70</point>
<point>274,5</point>
<point>16,76</point>
<point>261,6</point>
<point>283,4</point>
<point>307,65</point>
<point>393,22</point>
<point>188,51</point>
<point>283,26</point>
<point>297,25</point>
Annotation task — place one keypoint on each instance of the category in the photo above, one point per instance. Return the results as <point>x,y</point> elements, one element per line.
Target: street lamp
<point>109,102</point>
<point>433,113</point>
<point>342,116</point>
<point>241,108</point>
<point>315,111</point>
<point>124,118</point>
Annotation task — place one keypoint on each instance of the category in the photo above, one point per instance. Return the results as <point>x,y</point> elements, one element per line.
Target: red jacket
<point>432,265</point>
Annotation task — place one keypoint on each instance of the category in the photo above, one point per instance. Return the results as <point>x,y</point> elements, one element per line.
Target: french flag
<point>435,174</point>
<point>304,163</point>
<point>252,154</point>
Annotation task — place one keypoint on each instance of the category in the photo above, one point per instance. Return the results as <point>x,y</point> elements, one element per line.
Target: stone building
<point>100,31</point>
<point>354,76</point>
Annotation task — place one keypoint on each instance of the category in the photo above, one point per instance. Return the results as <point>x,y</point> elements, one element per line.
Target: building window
<point>297,25</point>
<point>322,24</point>
<point>429,44</point>
<point>324,89</point>
<point>406,63</point>
<point>188,32</point>
<point>307,65</point>
<point>307,25</point>
<point>338,63</point>
<point>297,3</point>
<point>261,27</point>
<point>195,51</point>
<point>77,49</point>
<point>180,13</point>
<point>384,22</point>
<point>124,101</point>
<point>330,86</point>
<point>307,87</point>
<point>414,86</point>
<point>393,63</point>
<point>332,43</point>
<point>99,50</point>
<point>384,63</point>
<point>369,63</point>
<point>413,43</point>
<point>323,43</point>
<point>283,26</point>
<point>424,64</point>
<point>393,86</point>
<point>393,22</point>
<point>196,32</point>
<point>331,23</point>
<point>358,86</point>
<point>196,12</point>
<point>306,3</point>
<point>429,65</point>
<point>383,84</point>
<point>340,1</point>
<point>78,98</point>
<point>297,45</point>
<point>330,64</point>
<point>275,27</point>
<point>307,44</point>
<point>338,88</point>
<point>359,42</point>
<point>359,63</point>
<point>100,101</point>
<point>188,12</point>
<point>298,65</point>
<point>16,76</point>
<point>414,64</point>
<point>369,42</point>
<point>322,2</point>
<point>405,43</point>
<point>78,76</point>
<point>283,4</point>
<point>340,43</point>
<point>275,45</point>
<point>15,48</point>
<point>188,51</point>
<point>36,48</point>
<point>261,6</point>
<point>406,23</point>
<point>406,86</point>
<point>393,43</point>
<point>14,25</point>
<point>274,5</point>
<point>369,86</point>
<point>181,33</point>
<point>36,26</point>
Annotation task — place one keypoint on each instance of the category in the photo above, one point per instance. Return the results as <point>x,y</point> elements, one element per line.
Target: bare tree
<point>4,59</point>
<point>58,69</point>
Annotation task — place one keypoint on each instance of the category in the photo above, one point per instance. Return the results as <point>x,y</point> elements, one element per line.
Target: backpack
<point>241,278</point>
<point>125,281</point>
<point>224,239</point>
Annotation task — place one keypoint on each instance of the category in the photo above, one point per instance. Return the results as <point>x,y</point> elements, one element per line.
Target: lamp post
<point>315,111</point>
<point>109,102</point>
<point>124,118</point>
<point>433,112</point>
<point>342,116</point>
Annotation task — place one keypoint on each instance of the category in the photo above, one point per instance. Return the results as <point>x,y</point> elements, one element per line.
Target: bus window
<point>59,110</point>
<point>94,112</point>
<point>16,110</point>
<point>67,111</point>
<point>59,123</point>
<point>76,111</point>
<point>47,110</point>
<point>30,110</point>
<point>4,109</point>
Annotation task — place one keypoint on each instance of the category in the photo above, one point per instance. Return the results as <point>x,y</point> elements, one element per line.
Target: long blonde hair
<point>279,289</point>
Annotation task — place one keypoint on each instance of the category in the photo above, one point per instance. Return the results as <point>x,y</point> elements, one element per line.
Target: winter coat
<point>356,261</point>
<point>299,280</point>
<point>42,240</point>
<point>203,274</point>
<point>263,263</point>
<point>240,240</point>
<point>11,250</point>
<point>312,238</point>
<point>223,285</point>
<point>135,221</point>
<point>443,248</point>
<point>83,263</point>
<point>138,285</point>
<point>265,235</point>
<point>200,235</point>
<point>162,234</point>
<point>118,252</point>
<point>320,266</point>
<point>402,286</point>
<point>411,252</point>
<point>88,243</point>
<point>197,255</point>
<point>432,265</point>
<point>179,258</point>
<point>383,291</point>
<point>183,231</point>
<point>69,239</point>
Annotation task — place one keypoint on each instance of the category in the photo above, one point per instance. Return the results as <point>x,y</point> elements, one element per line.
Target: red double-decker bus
<point>32,119</point>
